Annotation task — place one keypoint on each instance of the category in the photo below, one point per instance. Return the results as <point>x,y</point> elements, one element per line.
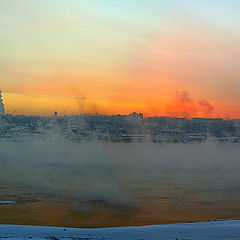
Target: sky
<point>158,57</point>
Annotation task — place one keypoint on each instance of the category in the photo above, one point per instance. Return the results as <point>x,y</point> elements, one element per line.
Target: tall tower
<point>2,110</point>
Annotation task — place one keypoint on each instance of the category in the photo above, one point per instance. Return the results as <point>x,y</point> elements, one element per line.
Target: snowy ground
<point>215,230</point>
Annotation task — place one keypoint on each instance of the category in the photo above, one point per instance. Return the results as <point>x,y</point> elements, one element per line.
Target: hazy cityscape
<point>118,128</point>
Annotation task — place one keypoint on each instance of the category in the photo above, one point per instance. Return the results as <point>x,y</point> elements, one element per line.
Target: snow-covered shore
<point>215,230</point>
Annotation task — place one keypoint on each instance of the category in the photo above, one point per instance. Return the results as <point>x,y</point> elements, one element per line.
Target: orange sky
<point>157,58</point>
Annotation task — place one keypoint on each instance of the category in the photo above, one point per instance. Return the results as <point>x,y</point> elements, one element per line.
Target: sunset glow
<point>177,58</point>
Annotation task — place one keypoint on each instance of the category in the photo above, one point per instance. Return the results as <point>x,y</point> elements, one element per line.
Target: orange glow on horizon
<point>174,107</point>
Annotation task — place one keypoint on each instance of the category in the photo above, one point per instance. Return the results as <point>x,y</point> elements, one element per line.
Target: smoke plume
<point>184,105</point>
<point>207,108</point>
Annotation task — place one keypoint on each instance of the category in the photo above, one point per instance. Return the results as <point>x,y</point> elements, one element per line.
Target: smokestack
<point>2,110</point>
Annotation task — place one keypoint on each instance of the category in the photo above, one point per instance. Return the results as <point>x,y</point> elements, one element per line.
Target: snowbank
<point>214,230</point>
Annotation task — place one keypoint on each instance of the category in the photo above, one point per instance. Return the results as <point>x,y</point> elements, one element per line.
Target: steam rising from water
<point>116,172</point>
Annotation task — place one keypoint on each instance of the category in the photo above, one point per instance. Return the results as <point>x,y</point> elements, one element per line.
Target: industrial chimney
<point>2,110</point>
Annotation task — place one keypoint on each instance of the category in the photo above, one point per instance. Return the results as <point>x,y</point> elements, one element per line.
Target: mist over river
<point>96,184</point>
